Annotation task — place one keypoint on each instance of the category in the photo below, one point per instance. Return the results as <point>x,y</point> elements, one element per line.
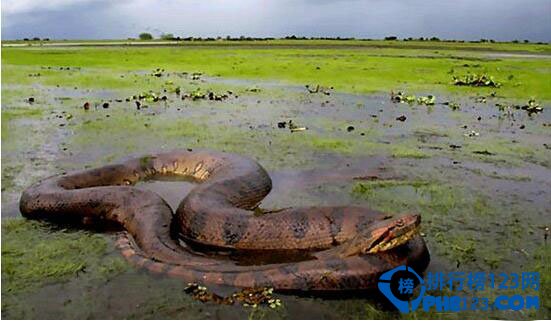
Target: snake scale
<point>219,213</point>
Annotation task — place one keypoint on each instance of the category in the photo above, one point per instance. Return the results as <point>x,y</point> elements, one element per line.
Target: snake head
<point>378,237</point>
<point>391,233</point>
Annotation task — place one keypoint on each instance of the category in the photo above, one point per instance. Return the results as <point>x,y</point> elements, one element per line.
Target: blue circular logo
<point>398,285</point>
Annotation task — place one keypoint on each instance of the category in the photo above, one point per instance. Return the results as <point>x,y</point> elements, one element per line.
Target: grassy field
<point>346,66</point>
<point>477,168</point>
<point>541,48</point>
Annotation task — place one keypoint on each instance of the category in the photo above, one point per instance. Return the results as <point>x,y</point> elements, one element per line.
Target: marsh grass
<point>33,255</point>
<point>346,69</point>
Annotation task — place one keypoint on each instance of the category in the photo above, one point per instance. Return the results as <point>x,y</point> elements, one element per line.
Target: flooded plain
<point>479,175</point>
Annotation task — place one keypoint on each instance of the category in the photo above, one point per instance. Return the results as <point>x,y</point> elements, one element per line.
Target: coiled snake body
<point>219,213</point>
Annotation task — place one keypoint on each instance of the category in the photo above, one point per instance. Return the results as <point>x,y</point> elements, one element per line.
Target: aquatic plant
<point>475,80</point>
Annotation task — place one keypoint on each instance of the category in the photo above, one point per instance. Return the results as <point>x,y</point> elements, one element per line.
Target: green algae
<point>34,255</point>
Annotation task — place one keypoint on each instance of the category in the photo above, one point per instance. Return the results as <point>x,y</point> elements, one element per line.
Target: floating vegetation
<point>480,100</point>
<point>149,96</point>
<point>249,297</point>
<point>318,89</point>
<point>532,107</point>
<point>400,97</point>
<point>171,88</point>
<point>158,72</point>
<point>475,80</point>
<point>452,105</point>
<point>426,100</point>
<point>210,95</point>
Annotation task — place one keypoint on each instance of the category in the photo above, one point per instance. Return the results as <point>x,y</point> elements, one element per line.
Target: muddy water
<point>501,199</point>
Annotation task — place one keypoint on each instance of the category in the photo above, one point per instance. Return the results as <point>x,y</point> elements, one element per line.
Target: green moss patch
<point>34,255</point>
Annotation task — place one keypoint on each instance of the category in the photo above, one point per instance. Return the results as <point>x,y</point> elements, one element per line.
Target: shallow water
<point>505,194</point>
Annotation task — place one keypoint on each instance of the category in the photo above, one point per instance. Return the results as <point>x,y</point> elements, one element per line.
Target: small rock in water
<point>349,128</point>
<point>30,99</point>
<point>105,105</point>
<point>401,118</point>
<point>86,106</point>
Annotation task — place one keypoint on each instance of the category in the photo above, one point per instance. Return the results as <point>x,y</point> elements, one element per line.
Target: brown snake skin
<point>218,213</point>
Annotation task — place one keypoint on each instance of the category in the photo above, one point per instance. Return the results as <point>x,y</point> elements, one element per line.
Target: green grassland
<point>482,197</point>
<point>312,43</point>
<point>347,66</point>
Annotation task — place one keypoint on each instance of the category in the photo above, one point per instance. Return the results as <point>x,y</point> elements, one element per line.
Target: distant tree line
<point>36,39</point>
<point>170,36</point>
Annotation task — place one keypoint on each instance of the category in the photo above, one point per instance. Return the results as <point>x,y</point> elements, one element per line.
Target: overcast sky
<point>450,19</point>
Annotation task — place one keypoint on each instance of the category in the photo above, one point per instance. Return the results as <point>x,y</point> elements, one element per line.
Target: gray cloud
<point>466,19</point>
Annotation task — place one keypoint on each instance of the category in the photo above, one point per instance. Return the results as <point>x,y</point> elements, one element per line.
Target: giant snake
<point>349,246</point>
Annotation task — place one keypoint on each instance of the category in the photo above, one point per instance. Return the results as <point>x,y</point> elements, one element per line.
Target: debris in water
<point>298,129</point>
<point>253,89</point>
<point>196,75</point>
<point>349,128</point>
<point>318,89</point>
<point>366,178</point>
<point>249,297</point>
<point>472,133</point>
<point>401,118</point>
<point>295,128</point>
<point>86,106</point>
<point>30,100</point>
<point>483,152</point>
<point>105,105</point>
<point>400,97</point>
<point>532,107</point>
<point>452,105</point>
<point>480,99</point>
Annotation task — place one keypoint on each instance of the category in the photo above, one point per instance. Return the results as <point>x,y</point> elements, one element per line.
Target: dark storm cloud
<point>466,19</point>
